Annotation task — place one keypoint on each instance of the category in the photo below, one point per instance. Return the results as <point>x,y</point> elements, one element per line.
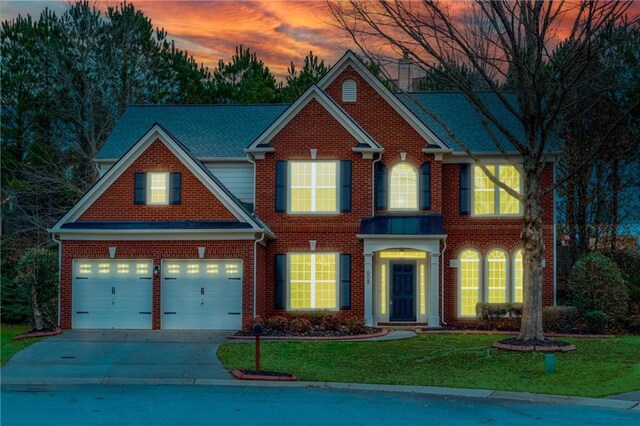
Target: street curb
<point>418,390</point>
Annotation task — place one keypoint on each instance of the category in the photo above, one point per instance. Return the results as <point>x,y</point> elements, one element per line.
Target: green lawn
<point>599,367</point>
<point>10,347</point>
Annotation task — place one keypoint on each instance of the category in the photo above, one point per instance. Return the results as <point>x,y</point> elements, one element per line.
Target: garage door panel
<point>112,294</point>
<point>202,294</point>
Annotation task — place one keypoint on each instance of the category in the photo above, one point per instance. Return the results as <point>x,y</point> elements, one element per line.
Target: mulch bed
<point>242,374</point>
<point>35,333</point>
<point>547,345</point>
<point>315,334</point>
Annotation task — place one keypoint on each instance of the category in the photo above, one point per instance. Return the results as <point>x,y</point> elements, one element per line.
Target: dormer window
<point>157,188</point>
<point>349,91</point>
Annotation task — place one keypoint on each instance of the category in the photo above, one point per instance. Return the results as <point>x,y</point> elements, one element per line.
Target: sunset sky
<point>279,31</point>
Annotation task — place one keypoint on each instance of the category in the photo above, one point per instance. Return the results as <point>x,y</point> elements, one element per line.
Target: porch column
<point>434,293</point>
<point>368,289</point>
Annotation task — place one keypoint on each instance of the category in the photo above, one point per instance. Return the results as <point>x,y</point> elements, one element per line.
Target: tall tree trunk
<point>531,327</point>
<point>37,313</point>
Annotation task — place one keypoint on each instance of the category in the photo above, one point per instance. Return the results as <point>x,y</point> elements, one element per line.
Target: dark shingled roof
<point>461,117</point>
<point>220,130</point>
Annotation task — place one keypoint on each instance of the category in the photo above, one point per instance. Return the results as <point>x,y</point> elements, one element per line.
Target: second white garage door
<point>201,294</point>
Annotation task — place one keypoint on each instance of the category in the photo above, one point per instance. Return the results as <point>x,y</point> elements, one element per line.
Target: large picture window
<point>496,277</point>
<point>469,283</point>
<point>491,200</point>
<point>403,187</point>
<point>313,281</point>
<point>313,186</point>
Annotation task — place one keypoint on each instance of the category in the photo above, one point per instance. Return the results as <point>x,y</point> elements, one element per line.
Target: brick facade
<point>313,127</point>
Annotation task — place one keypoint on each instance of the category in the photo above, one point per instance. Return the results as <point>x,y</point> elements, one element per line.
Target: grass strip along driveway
<point>10,347</point>
<point>599,367</point>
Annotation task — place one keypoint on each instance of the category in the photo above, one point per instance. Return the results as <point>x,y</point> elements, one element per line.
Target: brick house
<point>351,199</point>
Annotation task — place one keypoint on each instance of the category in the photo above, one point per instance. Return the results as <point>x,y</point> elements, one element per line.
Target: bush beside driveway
<point>598,368</point>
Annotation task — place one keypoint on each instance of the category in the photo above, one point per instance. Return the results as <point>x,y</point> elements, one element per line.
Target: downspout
<point>444,247</point>
<point>255,270</point>
<point>53,237</point>
<point>373,185</point>
<point>555,241</point>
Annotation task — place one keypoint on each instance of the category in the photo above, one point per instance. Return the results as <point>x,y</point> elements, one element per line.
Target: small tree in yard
<point>508,44</point>
<point>37,276</point>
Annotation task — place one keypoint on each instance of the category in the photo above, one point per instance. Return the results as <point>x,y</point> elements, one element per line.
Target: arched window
<point>349,91</point>
<point>496,276</point>
<point>403,187</point>
<point>518,276</point>
<point>468,283</point>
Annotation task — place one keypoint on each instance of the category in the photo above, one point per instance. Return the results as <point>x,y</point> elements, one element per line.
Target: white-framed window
<point>403,187</point>
<point>313,187</point>
<point>158,188</point>
<point>313,281</point>
<point>497,279</point>
<point>349,91</point>
<point>491,200</point>
<point>468,282</point>
<point>518,277</point>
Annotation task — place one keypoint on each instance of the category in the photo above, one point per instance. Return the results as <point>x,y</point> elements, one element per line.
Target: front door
<point>403,302</point>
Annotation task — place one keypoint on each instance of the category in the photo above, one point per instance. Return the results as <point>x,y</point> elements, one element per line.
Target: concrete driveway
<point>120,355</point>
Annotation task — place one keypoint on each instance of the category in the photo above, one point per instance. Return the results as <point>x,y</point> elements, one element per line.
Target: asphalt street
<point>240,405</point>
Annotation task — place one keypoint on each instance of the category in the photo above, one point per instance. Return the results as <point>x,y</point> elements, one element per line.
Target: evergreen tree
<point>297,83</point>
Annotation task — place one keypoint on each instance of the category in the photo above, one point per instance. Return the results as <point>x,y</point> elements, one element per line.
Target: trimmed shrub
<point>492,314</point>
<point>300,325</point>
<point>355,325</point>
<point>633,323</point>
<point>278,323</point>
<point>331,322</point>
<point>595,322</point>
<point>560,319</point>
<point>316,318</point>
<point>596,284</point>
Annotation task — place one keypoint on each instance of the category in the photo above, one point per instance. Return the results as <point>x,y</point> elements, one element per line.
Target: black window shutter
<point>281,280</point>
<point>465,192</point>
<point>175,185</point>
<point>345,281</point>
<point>139,188</point>
<point>281,186</point>
<point>345,183</point>
<point>425,186</point>
<point>381,186</point>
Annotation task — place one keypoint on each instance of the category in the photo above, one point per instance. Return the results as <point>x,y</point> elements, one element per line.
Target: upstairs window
<point>349,91</point>
<point>313,187</point>
<point>403,187</point>
<point>491,200</point>
<point>157,188</point>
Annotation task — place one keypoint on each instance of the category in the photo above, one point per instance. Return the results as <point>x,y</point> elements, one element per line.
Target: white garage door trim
<point>201,294</point>
<point>112,294</point>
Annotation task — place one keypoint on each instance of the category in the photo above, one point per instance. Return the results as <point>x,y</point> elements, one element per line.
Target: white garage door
<point>202,294</point>
<point>112,294</point>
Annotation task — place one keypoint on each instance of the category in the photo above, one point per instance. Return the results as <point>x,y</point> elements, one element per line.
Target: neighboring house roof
<point>462,118</point>
<point>156,131</point>
<point>220,130</point>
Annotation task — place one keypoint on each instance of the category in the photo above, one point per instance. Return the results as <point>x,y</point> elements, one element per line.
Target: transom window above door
<point>403,187</point>
<point>313,187</point>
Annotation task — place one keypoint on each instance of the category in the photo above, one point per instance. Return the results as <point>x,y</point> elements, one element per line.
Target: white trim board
<point>336,112</point>
<point>350,59</point>
<point>155,133</point>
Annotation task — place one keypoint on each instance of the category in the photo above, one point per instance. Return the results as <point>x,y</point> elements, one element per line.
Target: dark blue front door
<point>403,302</point>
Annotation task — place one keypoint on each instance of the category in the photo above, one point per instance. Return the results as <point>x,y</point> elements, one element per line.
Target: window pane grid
<point>313,186</point>
<point>403,187</point>
<point>497,277</point>
<point>158,193</point>
<point>489,198</point>
<point>312,282</point>
<point>483,192</point>
<point>509,176</point>
<point>518,277</point>
<point>469,282</point>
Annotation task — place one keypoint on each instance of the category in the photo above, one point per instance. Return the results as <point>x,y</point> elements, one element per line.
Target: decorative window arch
<point>518,276</point>
<point>403,187</point>
<point>497,276</point>
<point>468,282</point>
<point>349,91</point>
